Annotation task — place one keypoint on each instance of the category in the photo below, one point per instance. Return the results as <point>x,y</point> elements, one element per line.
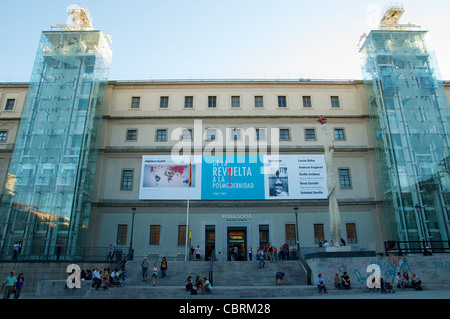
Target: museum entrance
<point>237,243</point>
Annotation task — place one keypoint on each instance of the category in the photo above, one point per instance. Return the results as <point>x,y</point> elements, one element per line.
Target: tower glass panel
<point>51,173</point>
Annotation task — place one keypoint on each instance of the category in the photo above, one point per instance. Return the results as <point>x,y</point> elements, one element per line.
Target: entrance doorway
<point>237,242</point>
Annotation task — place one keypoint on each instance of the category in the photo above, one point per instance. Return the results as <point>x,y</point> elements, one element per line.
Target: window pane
<point>131,135</point>
<point>259,101</point>
<point>10,104</point>
<point>161,135</point>
<point>290,234</point>
<point>154,234</point>
<point>182,235</point>
<point>335,101</point>
<point>188,102</point>
<point>351,233</point>
<point>212,101</point>
<point>135,102</point>
<point>3,136</point>
<point>284,134</point>
<point>310,134</point>
<point>281,101</point>
<point>127,180</point>
<point>307,101</point>
<point>122,234</point>
<point>235,101</point>
<point>318,233</point>
<point>344,178</point>
<point>164,102</point>
<point>339,134</point>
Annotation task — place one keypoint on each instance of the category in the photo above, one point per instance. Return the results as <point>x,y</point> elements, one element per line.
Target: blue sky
<point>220,39</point>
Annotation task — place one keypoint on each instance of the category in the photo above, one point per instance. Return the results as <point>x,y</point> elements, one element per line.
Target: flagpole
<point>187,214</point>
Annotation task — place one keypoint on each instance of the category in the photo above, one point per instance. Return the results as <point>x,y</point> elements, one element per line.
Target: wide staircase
<point>240,279</point>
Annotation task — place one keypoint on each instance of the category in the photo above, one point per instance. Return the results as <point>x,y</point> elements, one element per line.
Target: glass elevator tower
<point>51,173</point>
<point>410,118</point>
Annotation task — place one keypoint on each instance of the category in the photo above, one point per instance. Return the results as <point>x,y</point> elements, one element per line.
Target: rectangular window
<point>135,102</point>
<point>10,104</point>
<point>236,134</point>
<point>310,134</point>
<point>3,136</point>
<point>187,134</point>
<point>235,101</point>
<point>211,134</point>
<point>290,234</point>
<point>306,101</point>
<point>344,178</point>
<point>263,235</point>
<point>259,102</point>
<point>127,180</point>
<point>335,101</point>
<point>339,134</point>
<point>284,134</point>
<point>161,135</point>
<point>181,235</point>
<point>155,231</point>
<point>318,233</point>
<point>351,233</point>
<point>212,101</point>
<point>282,101</point>
<point>131,135</point>
<point>122,234</point>
<point>164,102</point>
<point>188,102</point>
<point>260,134</point>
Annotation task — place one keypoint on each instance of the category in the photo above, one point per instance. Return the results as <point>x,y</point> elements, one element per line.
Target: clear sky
<point>200,39</point>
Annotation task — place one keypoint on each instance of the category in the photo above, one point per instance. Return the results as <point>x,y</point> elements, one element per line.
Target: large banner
<point>237,177</point>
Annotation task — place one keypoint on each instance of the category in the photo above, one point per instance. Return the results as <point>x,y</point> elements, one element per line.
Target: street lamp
<point>296,228</point>
<point>132,228</point>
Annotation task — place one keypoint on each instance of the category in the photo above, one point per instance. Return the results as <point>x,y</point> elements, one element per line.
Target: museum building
<point>165,165</point>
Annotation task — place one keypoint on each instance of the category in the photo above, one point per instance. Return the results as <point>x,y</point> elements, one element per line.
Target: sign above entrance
<point>236,177</point>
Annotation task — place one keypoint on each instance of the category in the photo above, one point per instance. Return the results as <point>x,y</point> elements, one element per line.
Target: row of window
<point>235,102</point>
<point>127,179</point>
<point>236,134</point>
<point>319,234</point>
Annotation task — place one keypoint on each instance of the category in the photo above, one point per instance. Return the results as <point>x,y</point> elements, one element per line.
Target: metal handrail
<point>211,266</point>
<point>41,253</point>
<point>416,247</point>
<point>305,265</point>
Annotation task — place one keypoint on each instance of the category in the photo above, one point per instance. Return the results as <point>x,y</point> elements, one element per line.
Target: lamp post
<point>132,228</point>
<point>296,228</point>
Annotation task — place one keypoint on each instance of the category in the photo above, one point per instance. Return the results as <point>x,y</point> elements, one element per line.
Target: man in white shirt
<point>96,278</point>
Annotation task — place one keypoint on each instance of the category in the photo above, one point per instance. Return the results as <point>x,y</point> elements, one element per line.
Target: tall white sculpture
<point>333,208</point>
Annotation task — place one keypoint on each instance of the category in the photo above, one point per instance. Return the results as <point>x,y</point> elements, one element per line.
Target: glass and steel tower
<point>50,178</point>
<point>410,116</point>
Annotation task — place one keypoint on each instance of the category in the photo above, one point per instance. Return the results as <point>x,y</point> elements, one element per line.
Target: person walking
<point>154,273</point>
<point>9,285</point>
<point>144,266</point>
<point>19,286</point>
<point>262,262</point>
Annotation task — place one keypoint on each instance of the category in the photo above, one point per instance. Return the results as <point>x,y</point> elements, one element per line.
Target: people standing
<point>197,253</point>
<point>19,286</point>
<point>9,285</point>
<point>261,258</point>
<point>164,268</point>
<point>59,245</point>
<point>16,248</point>
<point>110,253</point>
<point>250,253</point>
<point>144,266</point>
<point>154,273</point>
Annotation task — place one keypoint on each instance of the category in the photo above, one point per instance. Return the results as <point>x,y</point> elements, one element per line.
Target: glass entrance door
<point>237,243</point>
